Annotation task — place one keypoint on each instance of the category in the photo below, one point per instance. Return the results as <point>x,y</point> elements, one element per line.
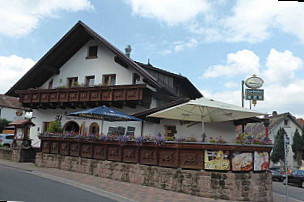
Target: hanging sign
<point>254,82</point>
<point>254,94</point>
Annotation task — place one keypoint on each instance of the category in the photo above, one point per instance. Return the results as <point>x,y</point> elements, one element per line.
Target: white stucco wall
<point>290,129</point>
<point>104,64</point>
<point>48,115</point>
<point>10,114</point>
<point>226,130</point>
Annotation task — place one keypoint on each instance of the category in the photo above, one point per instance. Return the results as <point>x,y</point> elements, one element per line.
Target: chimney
<point>274,114</point>
<point>128,50</point>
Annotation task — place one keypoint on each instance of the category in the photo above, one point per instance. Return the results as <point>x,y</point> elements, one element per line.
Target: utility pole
<point>286,142</point>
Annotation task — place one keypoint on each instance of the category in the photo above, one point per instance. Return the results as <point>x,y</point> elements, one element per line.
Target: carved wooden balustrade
<point>74,97</point>
<point>171,154</point>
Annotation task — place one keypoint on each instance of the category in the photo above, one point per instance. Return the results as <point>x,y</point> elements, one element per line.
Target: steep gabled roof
<point>9,102</point>
<point>63,50</point>
<point>193,91</point>
<point>258,129</point>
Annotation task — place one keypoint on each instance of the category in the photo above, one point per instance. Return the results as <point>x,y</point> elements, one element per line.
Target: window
<point>9,137</point>
<point>136,78</point>
<point>45,126</point>
<point>170,130</point>
<point>109,80</point>
<point>72,82</point>
<point>94,128</point>
<point>90,81</point>
<point>130,131</point>
<point>50,84</point>
<point>92,52</point>
<point>286,122</point>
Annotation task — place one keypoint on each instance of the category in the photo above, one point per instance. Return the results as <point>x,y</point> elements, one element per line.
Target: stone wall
<point>220,185</point>
<point>18,154</point>
<point>5,153</point>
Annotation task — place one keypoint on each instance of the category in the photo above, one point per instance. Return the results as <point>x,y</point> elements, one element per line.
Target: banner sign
<point>217,160</point>
<point>261,161</point>
<point>242,161</point>
<point>254,94</point>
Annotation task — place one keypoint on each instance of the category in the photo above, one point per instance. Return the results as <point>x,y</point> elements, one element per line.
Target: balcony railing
<point>117,93</point>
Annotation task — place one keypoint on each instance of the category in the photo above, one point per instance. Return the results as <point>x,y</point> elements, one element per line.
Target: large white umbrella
<point>206,110</point>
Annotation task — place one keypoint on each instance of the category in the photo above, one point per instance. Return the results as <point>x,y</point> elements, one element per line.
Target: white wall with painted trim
<point>104,64</point>
<point>10,114</point>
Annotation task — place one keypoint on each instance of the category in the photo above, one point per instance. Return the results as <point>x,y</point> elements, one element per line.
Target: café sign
<point>254,82</point>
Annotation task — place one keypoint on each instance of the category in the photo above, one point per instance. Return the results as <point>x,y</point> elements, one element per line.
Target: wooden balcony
<point>86,96</point>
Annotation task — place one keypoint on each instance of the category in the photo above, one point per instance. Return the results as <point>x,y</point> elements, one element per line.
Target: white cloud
<point>172,12</point>
<point>12,69</point>
<point>283,88</point>
<point>253,21</point>
<point>18,18</point>
<point>166,52</point>
<point>181,45</point>
<point>231,85</point>
<point>278,98</point>
<point>281,67</point>
<point>243,62</point>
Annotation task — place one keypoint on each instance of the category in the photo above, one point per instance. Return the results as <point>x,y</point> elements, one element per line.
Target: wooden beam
<point>72,105</point>
<point>120,62</point>
<point>118,105</point>
<point>51,69</point>
<point>131,104</point>
<point>62,106</point>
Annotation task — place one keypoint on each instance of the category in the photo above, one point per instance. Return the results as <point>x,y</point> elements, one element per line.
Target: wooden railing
<point>171,154</point>
<point>84,94</point>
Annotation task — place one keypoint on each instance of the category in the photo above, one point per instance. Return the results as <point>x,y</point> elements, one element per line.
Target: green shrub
<point>54,127</point>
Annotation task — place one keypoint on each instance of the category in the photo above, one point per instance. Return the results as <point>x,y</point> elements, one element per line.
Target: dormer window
<point>92,52</point>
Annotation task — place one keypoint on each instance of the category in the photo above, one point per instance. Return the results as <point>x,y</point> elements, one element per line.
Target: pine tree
<point>297,147</point>
<point>278,149</point>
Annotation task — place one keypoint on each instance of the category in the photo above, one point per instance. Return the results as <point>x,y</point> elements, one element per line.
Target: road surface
<point>294,191</point>
<point>18,185</point>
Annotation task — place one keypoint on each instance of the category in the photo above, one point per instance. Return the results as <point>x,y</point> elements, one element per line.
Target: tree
<point>278,149</point>
<point>297,147</point>
<point>54,127</point>
<point>3,124</point>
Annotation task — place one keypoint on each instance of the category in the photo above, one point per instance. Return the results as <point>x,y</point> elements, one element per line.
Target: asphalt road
<point>294,191</point>
<point>17,185</point>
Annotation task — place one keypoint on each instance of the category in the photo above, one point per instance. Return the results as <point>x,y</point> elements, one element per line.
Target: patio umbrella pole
<point>203,127</point>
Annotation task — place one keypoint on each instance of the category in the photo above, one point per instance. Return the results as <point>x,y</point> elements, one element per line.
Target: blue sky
<point>215,43</point>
